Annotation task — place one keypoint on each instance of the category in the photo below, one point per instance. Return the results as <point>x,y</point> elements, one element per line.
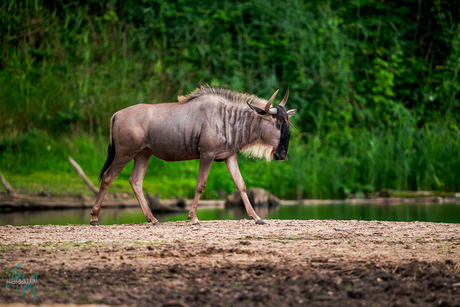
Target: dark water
<point>445,213</point>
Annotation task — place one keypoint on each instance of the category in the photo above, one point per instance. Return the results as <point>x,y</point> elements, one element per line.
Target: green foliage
<point>372,81</point>
<point>67,66</point>
<point>410,159</point>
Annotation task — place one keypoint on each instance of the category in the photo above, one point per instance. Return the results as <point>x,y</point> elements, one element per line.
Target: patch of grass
<point>6,273</point>
<point>160,242</point>
<point>282,240</point>
<point>143,243</point>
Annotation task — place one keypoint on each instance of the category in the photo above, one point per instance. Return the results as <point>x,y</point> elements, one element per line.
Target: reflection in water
<point>240,212</point>
<point>447,213</point>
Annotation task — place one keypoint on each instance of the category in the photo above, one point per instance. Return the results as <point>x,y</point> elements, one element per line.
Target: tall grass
<point>412,159</point>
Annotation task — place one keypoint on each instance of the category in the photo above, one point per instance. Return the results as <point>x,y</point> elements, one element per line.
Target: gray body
<point>210,125</point>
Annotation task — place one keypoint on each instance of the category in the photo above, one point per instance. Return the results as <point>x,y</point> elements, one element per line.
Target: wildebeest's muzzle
<point>283,125</point>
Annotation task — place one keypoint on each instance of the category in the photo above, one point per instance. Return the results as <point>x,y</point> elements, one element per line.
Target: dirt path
<point>236,263</point>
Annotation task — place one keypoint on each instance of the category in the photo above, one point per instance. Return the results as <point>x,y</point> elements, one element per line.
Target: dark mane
<point>229,96</point>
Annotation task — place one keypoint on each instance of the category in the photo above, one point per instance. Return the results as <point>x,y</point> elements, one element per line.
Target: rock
<point>170,205</point>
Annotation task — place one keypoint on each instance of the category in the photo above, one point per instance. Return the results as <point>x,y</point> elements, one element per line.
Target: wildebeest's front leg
<point>205,166</point>
<point>232,166</point>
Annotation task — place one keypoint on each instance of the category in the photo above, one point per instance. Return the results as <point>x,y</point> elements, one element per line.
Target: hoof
<point>261,222</point>
<point>196,224</point>
<point>153,223</point>
<point>94,223</point>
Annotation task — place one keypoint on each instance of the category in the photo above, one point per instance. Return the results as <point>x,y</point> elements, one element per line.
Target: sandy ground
<point>235,263</point>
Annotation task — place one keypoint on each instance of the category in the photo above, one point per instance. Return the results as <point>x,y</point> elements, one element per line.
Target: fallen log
<point>30,202</point>
<point>19,202</point>
<point>388,193</point>
<point>257,197</point>
<point>167,205</point>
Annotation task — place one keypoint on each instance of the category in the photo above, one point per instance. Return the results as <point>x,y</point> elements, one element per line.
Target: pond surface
<point>445,213</point>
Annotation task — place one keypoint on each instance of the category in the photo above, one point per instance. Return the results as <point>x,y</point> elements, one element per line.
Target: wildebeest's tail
<point>110,151</point>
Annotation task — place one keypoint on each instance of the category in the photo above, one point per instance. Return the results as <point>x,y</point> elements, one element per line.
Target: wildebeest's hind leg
<point>108,176</point>
<point>203,171</point>
<point>141,161</point>
<point>232,166</point>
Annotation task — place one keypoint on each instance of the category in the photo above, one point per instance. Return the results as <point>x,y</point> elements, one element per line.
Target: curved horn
<point>268,108</point>
<point>285,98</point>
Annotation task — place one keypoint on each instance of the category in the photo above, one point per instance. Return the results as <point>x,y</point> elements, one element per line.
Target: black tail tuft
<point>110,151</point>
<point>110,157</point>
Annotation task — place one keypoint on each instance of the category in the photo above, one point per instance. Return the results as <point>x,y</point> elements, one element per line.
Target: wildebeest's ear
<point>291,112</point>
<point>258,110</point>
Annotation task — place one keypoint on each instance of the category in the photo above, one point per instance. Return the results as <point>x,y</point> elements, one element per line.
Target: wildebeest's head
<point>281,118</point>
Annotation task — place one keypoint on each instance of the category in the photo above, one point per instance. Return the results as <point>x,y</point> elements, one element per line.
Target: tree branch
<point>82,175</point>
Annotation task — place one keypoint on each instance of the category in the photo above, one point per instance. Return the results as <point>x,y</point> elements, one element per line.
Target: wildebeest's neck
<point>238,127</point>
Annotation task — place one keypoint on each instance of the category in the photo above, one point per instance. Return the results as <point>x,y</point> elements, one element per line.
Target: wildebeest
<point>210,124</point>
